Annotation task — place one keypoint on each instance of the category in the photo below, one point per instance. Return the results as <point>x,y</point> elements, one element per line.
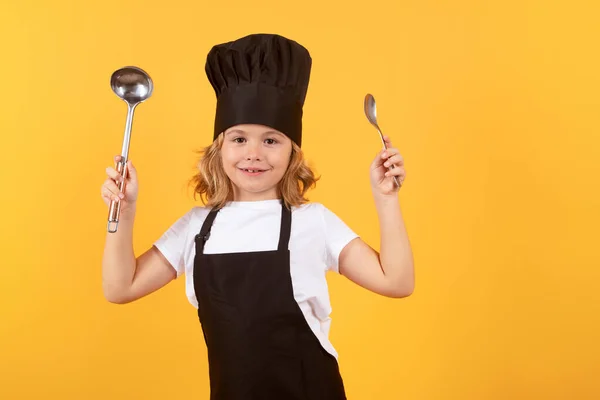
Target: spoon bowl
<point>371,109</point>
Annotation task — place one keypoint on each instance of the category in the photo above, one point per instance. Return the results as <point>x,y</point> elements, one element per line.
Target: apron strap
<point>204,234</point>
<point>286,227</point>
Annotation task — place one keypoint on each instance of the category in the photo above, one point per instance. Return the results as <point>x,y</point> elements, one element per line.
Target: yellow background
<point>494,106</point>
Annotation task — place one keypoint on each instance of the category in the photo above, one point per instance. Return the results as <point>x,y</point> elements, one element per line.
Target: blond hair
<point>215,189</point>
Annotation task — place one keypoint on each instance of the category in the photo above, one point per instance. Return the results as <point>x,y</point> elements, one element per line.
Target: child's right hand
<point>110,191</point>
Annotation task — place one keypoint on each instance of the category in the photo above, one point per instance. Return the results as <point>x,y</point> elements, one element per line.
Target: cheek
<point>281,160</point>
<point>228,165</point>
<point>280,164</point>
<point>228,158</point>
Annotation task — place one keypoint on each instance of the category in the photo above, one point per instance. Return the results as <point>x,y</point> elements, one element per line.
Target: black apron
<point>260,346</point>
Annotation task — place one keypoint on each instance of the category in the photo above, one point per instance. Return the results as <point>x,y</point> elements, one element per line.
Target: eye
<point>238,140</point>
<point>271,141</point>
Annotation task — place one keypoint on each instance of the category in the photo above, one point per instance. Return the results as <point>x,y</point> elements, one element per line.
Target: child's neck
<point>239,196</point>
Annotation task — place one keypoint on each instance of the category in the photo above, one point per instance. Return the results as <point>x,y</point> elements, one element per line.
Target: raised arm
<point>126,278</point>
<point>391,271</point>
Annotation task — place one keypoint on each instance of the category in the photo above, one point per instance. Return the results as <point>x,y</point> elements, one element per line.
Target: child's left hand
<point>381,178</point>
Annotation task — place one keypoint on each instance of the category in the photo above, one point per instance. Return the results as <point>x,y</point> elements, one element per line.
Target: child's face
<point>255,158</point>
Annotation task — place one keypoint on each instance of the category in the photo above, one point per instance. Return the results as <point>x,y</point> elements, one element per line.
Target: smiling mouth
<point>252,171</point>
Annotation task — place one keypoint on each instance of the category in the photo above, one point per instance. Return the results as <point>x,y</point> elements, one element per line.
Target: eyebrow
<point>244,132</point>
<point>234,131</point>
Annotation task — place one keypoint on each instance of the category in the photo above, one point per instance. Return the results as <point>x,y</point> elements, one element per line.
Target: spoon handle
<point>385,147</point>
<point>115,206</point>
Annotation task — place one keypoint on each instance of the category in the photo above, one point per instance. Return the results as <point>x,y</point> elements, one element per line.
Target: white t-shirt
<point>316,240</point>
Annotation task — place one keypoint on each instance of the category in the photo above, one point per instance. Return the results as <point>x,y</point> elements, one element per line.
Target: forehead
<point>252,129</point>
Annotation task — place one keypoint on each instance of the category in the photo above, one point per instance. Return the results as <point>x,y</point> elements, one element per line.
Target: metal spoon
<point>134,86</point>
<point>371,113</point>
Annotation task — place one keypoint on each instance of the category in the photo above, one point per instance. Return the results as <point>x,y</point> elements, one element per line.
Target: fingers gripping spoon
<point>134,86</point>
<point>371,113</point>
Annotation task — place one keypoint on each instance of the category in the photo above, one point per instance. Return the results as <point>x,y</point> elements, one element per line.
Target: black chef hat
<point>260,79</point>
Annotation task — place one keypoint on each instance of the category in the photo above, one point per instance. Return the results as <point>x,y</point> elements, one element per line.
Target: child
<point>256,256</point>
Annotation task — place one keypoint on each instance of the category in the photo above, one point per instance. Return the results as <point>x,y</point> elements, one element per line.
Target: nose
<point>253,152</point>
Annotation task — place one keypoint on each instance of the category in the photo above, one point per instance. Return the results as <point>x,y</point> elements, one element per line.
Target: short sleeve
<point>337,236</point>
<point>172,243</point>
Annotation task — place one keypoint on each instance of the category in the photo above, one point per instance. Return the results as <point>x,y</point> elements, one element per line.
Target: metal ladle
<point>134,86</point>
<point>371,113</point>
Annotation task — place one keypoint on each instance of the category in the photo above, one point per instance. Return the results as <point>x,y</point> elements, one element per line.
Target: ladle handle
<point>115,206</point>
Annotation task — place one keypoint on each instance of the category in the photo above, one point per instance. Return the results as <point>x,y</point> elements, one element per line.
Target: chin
<point>256,190</point>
